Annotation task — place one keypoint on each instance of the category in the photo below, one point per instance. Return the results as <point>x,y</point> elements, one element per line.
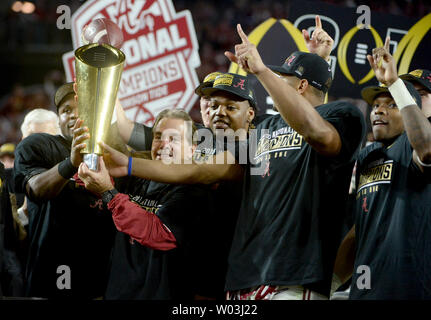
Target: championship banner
<point>161,52</point>
<point>276,39</point>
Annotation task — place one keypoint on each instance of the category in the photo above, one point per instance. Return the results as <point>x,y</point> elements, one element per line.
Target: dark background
<point>32,46</point>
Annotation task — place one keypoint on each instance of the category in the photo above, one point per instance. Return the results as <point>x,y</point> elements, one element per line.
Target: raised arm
<point>416,125</point>
<point>50,183</point>
<point>125,125</point>
<point>320,43</point>
<point>297,111</point>
<point>222,168</point>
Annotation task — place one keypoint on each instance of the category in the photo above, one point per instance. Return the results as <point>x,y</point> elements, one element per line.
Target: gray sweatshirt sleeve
<point>141,137</point>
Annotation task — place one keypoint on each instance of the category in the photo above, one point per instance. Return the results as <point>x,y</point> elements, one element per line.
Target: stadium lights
<point>24,7</point>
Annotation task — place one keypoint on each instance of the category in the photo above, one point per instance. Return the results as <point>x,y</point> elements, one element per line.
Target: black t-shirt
<point>72,229</point>
<point>4,208</point>
<point>11,187</point>
<point>292,210</point>
<point>139,272</point>
<point>393,224</point>
<point>227,197</point>
<point>141,137</point>
<point>11,270</point>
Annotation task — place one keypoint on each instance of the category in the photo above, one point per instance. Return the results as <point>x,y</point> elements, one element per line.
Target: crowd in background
<point>37,38</point>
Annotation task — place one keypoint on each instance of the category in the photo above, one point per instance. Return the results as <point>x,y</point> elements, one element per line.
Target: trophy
<point>98,74</point>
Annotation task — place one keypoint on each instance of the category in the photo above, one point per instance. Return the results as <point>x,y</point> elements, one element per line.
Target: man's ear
<point>251,114</point>
<point>302,86</point>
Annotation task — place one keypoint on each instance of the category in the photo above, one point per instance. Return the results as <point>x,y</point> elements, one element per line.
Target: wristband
<point>66,169</point>
<point>401,95</point>
<point>129,168</point>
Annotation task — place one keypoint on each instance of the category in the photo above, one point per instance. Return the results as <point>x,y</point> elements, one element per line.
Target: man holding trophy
<point>70,231</point>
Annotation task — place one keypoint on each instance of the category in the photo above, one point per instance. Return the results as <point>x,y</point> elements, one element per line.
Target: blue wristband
<point>129,168</point>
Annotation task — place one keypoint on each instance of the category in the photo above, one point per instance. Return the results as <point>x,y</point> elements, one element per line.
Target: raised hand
<point>95,181</point>
<point>80,134</point>
<point>116,162</point>
<point>383,64</point>
<point>246,55</point>
<point>320,43</point>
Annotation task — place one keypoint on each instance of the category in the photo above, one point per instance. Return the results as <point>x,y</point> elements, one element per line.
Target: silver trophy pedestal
<point>92,161</point>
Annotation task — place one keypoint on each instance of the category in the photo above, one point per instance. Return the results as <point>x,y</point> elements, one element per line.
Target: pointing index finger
<point>318,22</point>
<point>387,41</point>
<point>241,33</point>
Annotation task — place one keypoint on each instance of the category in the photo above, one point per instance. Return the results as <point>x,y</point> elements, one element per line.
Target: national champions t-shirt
<point>293,203</point>
<point>392,225</point>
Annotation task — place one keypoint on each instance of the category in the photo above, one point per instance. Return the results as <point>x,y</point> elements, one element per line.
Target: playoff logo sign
<point>277,39</point>
<point>161,54</point>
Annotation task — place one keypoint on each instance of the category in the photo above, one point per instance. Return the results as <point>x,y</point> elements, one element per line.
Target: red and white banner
<point>161,54</point>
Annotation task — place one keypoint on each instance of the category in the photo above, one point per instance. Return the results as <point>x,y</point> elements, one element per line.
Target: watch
<point>107,196</point>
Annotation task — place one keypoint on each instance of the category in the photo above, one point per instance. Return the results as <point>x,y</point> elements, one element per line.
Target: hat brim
<point>410,78</point>
<point>203,85</point>
<point>210,91</point>
<point>64,91</point>
<point>370,93</point>
<point>280,69</point>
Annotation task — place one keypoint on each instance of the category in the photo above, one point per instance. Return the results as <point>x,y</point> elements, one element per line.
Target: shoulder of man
<point>38,139</point>
<point>371,148</point>
<point>259,118</point>
<point>339,108</point>
<point>264,119</point>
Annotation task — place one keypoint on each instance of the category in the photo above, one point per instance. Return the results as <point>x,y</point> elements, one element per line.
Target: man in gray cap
<point>70,234</point>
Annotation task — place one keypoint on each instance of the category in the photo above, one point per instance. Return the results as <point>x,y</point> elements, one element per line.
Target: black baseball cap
<point>369,94</point>
<point>421,76</point>
<point>7,148</point>
<point>235,84</point>
<point>62,93</point>
<point>309,66</point>
<point>208,82</point>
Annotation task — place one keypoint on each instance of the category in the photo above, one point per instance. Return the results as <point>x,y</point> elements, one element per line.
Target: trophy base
<point>92,161</point>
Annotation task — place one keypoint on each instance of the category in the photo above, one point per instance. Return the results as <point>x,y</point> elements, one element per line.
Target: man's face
<point>205,102</point>
<point>170,137</point>
<point>226,111</point>
<point>426,98</point>
<point>68,113</point>
<point>386,119</point>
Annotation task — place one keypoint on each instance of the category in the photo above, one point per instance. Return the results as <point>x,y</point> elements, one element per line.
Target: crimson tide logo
<point>161,54</point>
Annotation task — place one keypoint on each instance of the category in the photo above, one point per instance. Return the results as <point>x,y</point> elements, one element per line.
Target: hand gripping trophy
<point>99,65</point>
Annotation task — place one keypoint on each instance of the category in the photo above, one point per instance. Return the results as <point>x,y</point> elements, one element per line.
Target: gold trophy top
<point>98,74</point>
